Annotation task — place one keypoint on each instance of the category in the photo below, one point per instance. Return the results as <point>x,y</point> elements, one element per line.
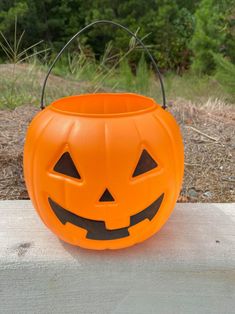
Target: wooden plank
<point>188,267</point>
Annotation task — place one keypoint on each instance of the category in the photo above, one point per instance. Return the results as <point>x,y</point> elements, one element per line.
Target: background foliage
<point>194,36</point>
<point>179,32</point>
<point>214,33</point>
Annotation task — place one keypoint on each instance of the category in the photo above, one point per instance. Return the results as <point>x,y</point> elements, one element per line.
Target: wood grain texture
<point>188,267</point>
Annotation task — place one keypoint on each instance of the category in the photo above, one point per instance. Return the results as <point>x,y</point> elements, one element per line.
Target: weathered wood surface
<point>188,267</point>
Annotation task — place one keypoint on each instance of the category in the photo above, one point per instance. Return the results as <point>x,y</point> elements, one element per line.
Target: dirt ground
<point>209,141</point>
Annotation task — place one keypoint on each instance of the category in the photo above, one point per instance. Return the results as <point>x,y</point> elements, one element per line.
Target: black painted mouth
<point>96,229</point>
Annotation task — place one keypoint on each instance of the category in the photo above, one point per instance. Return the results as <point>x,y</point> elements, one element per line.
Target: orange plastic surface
<point>105,135</point>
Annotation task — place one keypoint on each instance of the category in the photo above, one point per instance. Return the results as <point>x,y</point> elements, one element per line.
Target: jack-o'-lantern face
<point>104,180</point>
<point>96,229</point>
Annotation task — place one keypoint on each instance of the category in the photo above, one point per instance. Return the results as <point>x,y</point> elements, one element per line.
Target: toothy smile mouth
<point>96,229</point>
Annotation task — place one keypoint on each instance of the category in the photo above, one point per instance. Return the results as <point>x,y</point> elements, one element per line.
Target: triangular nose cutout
<point>106,197</point>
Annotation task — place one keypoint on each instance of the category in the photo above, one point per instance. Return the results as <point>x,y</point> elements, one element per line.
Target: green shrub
<point>225,74</point>
<point>213,34</point>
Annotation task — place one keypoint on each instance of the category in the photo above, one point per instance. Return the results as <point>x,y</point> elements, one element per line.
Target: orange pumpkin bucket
<point>104,170</point>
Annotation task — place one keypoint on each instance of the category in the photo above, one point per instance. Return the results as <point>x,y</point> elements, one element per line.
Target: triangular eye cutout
<point>145,163</point>
<point>106,197</point>
<point>65,165</point>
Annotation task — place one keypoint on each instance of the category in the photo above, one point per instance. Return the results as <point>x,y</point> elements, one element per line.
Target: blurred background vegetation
<point>192,41</point>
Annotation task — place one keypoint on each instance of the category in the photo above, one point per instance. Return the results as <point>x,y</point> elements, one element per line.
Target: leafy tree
<point>191,6</point>
<point>8,12</point>
<point>168,28</point>
<point>225,74</point>
<point>212,34</point>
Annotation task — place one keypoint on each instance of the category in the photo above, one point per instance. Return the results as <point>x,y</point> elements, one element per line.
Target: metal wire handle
<point>115,24</point>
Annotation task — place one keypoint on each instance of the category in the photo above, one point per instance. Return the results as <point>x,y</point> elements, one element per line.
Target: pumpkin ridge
<point>173,148</point>
<point>36,146</point>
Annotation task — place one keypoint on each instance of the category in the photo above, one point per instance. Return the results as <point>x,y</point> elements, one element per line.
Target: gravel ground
<point>209,140</point>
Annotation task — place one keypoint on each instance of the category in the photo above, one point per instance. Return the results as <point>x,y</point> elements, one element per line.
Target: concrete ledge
<point>188,267</point>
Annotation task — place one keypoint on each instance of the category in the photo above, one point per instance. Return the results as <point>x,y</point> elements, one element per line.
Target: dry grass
<point>209,139</point>
<point>21,84</point>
